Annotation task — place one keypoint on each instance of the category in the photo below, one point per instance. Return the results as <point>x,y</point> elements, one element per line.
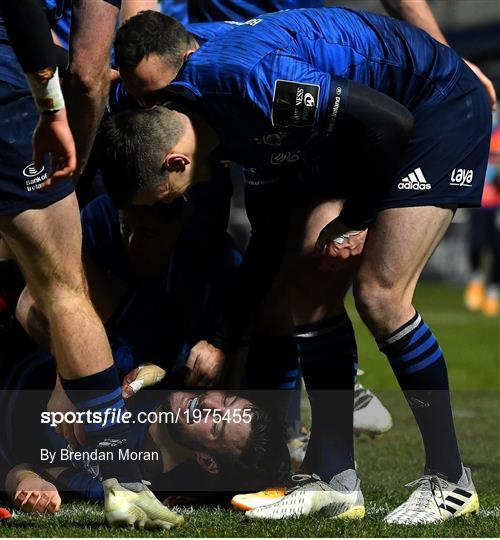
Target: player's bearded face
<point>210,421</point>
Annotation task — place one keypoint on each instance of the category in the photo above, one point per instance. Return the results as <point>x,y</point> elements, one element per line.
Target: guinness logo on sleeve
<point>294,104</point>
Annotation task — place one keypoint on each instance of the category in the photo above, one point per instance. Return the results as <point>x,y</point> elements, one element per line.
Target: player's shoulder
<point>224,64</point>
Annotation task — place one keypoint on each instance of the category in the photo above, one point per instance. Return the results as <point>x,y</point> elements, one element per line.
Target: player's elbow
<point>87,79</point>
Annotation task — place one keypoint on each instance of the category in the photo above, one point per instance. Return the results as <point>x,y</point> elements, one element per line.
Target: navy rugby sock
<point>328,358</point>
<point>419,366</point>
<point>273,365</point>
<point>98,393</point>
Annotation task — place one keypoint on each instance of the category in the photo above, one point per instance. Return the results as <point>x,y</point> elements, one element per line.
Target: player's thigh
<point>398,247</point>
<point>47,244</point>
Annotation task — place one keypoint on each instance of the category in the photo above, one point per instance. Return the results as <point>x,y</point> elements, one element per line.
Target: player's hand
<point>336,242</point>
<point>488,85</point>
<point>59,402</point>
<point>53,136</point>
<point>34,494</point>
<point>142,376</point>
<point>204,365</point>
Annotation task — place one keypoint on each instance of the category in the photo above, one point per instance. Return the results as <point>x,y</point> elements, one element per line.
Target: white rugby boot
<point>133,505</point>
<point>436,500</point>
<point>339,499</point>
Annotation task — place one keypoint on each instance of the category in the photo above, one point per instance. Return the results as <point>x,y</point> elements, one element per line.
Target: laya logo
<point>462,177</point>
<point>294,103</point>
<point>34,178</point>
<point>279,158</point>
<point>30,170</point>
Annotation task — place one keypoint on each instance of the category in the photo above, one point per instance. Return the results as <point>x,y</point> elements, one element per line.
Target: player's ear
<point>207,462</point>
<point>175,162</point>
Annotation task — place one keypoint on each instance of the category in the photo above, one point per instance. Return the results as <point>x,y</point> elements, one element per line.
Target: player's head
<point>149,236</point>
<point>148,156</point>
<point>230,436</point>
<point>150,48</point>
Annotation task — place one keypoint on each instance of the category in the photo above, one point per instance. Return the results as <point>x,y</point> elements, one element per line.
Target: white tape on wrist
<point>344,237</point>
<point>47,92</point>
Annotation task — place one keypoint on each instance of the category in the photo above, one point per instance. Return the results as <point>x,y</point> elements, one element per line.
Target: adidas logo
<point>415,180</point>
<point>456,500</point>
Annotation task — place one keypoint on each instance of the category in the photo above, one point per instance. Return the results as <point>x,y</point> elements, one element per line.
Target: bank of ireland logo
<point>34,177</point>
<point>30,170</point>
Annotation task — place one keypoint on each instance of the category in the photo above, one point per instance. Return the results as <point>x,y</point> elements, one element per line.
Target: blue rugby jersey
<point>241,10</point>
<point>266,87</point>
<point>175,8</point>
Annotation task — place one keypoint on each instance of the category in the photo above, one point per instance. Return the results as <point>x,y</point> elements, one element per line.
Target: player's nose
<point>213,400</point>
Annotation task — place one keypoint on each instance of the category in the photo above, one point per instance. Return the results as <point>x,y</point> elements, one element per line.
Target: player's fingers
<point>55,504</point>
<point>33,500</point>
<point>114,74</point>
<point>127,390</point>
<point>42,503</point>
<point>192,358</point>
<point>62,173</point>
<point>24,499</point>
<point>20,496</point>
<point>131,376</point>
<point>47,501</point>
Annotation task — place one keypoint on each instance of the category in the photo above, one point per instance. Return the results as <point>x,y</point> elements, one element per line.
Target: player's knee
<point>375,300</point>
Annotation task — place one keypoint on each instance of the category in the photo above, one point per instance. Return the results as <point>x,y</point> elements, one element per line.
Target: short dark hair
<point>265,459</point>
<point>151,32</point>
<point>133,147</point>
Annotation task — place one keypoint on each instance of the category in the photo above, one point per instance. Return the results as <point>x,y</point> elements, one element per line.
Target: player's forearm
<point>418,13</point>
<point>85,100</point>
<point>380,128</point>
<point>86,83</point>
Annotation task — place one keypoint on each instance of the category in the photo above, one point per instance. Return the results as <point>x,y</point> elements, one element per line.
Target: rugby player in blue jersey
<point>326,106</point>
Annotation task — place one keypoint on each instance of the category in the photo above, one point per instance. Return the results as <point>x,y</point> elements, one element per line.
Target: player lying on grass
<point>130,258</point>
<point>331,105</point>
<point>219,442</point>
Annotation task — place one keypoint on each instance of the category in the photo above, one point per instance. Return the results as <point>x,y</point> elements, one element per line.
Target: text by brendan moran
<point>125,454</point>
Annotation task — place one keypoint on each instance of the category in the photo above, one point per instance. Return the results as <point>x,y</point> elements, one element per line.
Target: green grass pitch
<point>472,347</point>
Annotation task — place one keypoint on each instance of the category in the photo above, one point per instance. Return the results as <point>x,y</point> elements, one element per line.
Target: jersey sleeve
<point>29,34</point>
<point>290,93</point>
